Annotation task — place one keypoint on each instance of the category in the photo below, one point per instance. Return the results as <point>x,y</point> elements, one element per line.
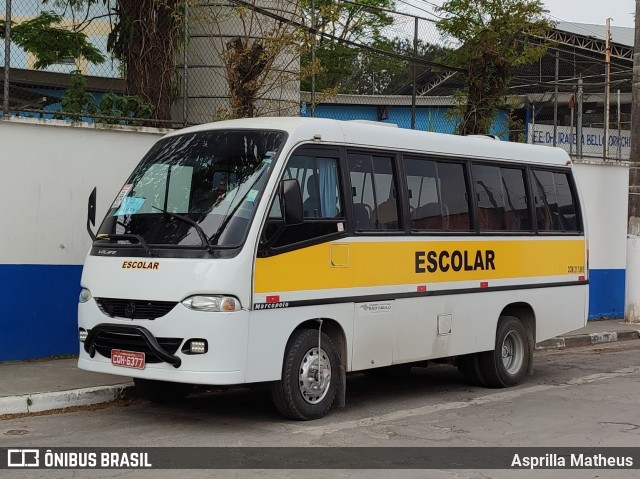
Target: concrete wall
<point>605,188</point>
<point>48,171</point>
<point>49,168</point>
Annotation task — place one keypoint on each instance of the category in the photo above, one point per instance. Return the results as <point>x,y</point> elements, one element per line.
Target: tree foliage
<point>110,108</point>
<point>145,39</point>
<point>50,43</point>
<point>492,37</point>
<point>261,60</point>
<point>338,20</point>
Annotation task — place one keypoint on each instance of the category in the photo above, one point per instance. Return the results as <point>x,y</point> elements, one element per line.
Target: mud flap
<point>342,387</point>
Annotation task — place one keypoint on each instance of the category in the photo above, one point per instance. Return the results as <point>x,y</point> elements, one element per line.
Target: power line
<point>344,41</point>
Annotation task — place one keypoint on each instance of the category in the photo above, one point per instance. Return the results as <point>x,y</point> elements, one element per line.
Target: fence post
<point>413,82</point>
<point>185,80</point>
<point>7,59</point>
<point>555,100</point>
<point>313,58</point>
<point>579,119</point>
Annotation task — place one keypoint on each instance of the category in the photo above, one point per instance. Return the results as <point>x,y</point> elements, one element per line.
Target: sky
<point>592,11</point>
<point>574,11</point>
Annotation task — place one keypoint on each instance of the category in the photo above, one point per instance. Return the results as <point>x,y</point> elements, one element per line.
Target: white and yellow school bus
<point>293,251</point>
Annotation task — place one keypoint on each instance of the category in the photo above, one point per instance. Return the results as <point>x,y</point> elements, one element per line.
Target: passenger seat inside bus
<point>361,216</point>
<point>430,217</point>
<point>311,206</point>
<point>387,215</point>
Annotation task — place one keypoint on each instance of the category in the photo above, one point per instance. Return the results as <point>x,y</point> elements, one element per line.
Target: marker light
<point>82,334</point>
<point>85,295</point>
<point>198,347</point>
<point>212,303</point>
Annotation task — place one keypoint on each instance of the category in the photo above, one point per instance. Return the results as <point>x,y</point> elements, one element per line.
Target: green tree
<point>261,61</point>
<point>52,44</point>
<point>338,62</point>
<point>144,38</point>
<point>493,37</point>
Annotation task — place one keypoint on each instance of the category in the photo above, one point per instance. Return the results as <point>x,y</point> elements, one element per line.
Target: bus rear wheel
<point>507,364</point>
<point>162,392</point>
<point>310,378</point>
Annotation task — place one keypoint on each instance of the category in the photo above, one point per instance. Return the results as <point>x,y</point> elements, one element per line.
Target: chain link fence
<point>563,101</point>
<point>239,58</point>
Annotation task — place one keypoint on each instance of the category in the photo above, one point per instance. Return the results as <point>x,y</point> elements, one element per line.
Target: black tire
<point>507,364</point>
<point>469,366</point>
<point>287,394</point>
<point>162,392</point>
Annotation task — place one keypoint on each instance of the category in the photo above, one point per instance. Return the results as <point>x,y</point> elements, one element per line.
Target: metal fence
<point>238,58</point>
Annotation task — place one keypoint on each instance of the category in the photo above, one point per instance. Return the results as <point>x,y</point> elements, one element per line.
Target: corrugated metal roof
<point>621,35</point>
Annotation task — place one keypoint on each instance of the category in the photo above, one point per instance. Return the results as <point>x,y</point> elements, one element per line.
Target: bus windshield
<point>195,187</point>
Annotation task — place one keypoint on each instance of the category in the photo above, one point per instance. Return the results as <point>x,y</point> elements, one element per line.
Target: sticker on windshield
<point>130,206</point>
<point>251,196</point>
<point>123,192</point>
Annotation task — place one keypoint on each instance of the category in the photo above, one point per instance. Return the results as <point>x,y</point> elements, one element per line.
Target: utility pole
<point>607,79</point>
<point>632,280</point>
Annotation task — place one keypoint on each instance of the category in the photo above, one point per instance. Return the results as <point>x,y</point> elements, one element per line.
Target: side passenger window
<point>554,201</point>
<point>501,198</point>
<point>374,192</point>
<point>437,195</point>
<point>319,180</point>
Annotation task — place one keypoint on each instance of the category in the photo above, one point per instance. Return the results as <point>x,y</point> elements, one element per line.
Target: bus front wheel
<point>162,391</point>
<point>310,378</point>
<point>507,364</point>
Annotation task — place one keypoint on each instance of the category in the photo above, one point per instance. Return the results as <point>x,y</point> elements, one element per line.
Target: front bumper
<point>162,339</point>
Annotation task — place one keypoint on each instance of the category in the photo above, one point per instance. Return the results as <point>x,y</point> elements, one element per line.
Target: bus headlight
<point>85,295</point>
<point>212,303</point>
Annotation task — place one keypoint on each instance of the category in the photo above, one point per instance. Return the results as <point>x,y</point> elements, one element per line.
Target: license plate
<point>127,359</point>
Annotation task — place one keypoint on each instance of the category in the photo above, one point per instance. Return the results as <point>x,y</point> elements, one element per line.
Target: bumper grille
<point>134,308</point>
<point>106,341</point>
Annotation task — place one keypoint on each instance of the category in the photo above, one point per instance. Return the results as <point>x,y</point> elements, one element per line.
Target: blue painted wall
<point>606,293</point>
<point>427,118</point>
<point>39,310</point>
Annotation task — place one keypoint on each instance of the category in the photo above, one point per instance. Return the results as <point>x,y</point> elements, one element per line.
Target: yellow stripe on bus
<point>379,263</point>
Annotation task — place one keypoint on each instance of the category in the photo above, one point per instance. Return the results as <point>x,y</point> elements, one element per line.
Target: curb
<point>588,339</point>
<point>48,401</point>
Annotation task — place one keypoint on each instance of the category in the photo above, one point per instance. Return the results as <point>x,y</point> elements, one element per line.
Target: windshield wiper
<point>198,228</point>
<point>129,237</point>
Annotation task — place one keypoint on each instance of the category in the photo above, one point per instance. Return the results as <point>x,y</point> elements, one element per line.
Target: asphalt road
<point>581,397</point>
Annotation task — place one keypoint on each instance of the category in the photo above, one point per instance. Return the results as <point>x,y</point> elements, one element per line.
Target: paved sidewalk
<point>43,385</point>
<point>595,332</point>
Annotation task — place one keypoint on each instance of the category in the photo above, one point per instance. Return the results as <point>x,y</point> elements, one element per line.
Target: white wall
<point>48,170</point>
<point>605,189</point>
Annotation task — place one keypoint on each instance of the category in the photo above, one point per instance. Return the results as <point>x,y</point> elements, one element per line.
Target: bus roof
<point>370,135</point>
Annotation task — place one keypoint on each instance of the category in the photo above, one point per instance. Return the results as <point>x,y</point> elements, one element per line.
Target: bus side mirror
<point>91,213</point>
<point>291,202</point>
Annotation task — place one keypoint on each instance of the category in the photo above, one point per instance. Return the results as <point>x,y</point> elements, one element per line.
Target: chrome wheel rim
<point>314,376</point>
<point>512,352</point>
